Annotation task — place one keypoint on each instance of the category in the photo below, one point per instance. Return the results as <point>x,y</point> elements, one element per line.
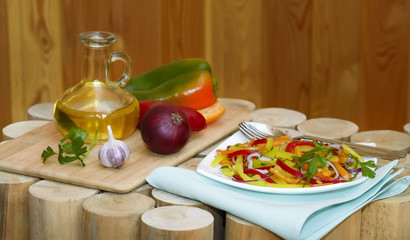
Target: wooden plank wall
<point>346,59</point>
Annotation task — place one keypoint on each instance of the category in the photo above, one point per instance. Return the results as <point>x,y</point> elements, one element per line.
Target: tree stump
<point>278,117</point>
<point>407,128</point>
<point>177,223</point>
<point>18,129</point>
<point>41,111</point>
<point>145,189</point>
<point>393,140</point>
<point>237,102</point>
<point>240,229</point>
<point>328,128</point>
<point>14,206</point>
<point>56,210</point>
<point>115,216</point>
<point>387,218</point>
<point>163,198</point>
<point>388,139</point>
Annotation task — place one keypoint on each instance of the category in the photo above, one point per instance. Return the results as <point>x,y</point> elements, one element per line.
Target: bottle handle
<point>128,67</point>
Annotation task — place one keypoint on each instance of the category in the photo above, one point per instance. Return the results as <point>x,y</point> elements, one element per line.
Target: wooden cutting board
<point>23,155</point>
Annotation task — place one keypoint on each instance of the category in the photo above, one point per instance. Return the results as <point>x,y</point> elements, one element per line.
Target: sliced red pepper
<point>259,141</point>
<point>291,146</point>
<point>237,178</point>
<point>240,152</point>
<point>256,172</point>
<point>292,171</point>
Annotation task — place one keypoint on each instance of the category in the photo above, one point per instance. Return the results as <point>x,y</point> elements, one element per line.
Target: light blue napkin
<point>307,216</point>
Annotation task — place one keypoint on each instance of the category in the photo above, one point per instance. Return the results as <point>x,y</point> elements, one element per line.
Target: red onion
<point>165,129</point>
<point>335,169</point>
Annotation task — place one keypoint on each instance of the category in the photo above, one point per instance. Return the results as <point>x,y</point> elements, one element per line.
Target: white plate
<point>205,169</point>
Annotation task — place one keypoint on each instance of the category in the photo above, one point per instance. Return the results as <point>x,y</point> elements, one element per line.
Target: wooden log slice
<point>348,229</point>
<point>145,189</point>
<point>18,129</point>
<point>329,128</point>
<point>163,198</point>
<point>115,216</point>
<point>278,117</point>
<point>407,128</point>
<point>41,111</point>
<point>393,140</point>
<point>237,102</point>
<point>14,206</point>
<point>56,210</point>
<point>387,219</point>
<point>177,223</point>
<point>240,229</point>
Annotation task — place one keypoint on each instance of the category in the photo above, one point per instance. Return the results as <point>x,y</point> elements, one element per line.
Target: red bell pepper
<point>259,141</point>
<point>292,171</point>
<point>256,172</point>
<point>291,146</point>
<point>240,152</point>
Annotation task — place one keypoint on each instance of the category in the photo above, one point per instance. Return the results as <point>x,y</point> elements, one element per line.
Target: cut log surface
<point>115,216</point>
<point>239,229</point>
<point>393,140</point>
<point>14,206</point>
<point>56,210</point>
<point>239,102</point>
<point>387,218</point>
<point>329,128</point>
<point>18,129</point>
<point>407,128</point>
<point>163,198</point>
<point>41,111</point>
<point>177,223</point>
<point>145,189</point>
<point>278,117</point>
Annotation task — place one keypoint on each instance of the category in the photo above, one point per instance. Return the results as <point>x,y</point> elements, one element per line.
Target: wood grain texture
<point>36,59</point>
<point>5,99</point>
<point>385,46</point>
<point>335,59</point>
<point>343,59</point>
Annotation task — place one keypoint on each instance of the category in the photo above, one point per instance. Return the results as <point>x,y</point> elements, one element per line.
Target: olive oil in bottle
<point>96,101</point>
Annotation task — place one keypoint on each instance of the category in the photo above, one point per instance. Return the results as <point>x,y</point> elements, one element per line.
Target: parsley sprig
<point>71,147</point>
<point>319,156</point>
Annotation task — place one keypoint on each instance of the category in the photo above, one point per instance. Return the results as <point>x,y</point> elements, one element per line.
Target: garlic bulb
<point>114,152</point>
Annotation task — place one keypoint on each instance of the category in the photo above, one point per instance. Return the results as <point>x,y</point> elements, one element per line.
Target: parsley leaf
<point>366,169</point>
<point>71,147</point>
<point>313,164</point>
<point>47,153</point>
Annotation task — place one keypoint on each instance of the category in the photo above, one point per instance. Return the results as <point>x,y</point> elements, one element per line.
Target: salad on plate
<point>285,163</point>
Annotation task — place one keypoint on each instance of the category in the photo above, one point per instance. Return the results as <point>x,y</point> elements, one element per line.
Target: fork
<point>251,131</point>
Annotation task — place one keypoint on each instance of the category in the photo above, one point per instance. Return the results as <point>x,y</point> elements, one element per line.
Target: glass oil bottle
<point>97,101</point>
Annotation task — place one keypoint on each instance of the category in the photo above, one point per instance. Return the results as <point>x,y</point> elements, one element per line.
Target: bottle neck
<point>96,63</point>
